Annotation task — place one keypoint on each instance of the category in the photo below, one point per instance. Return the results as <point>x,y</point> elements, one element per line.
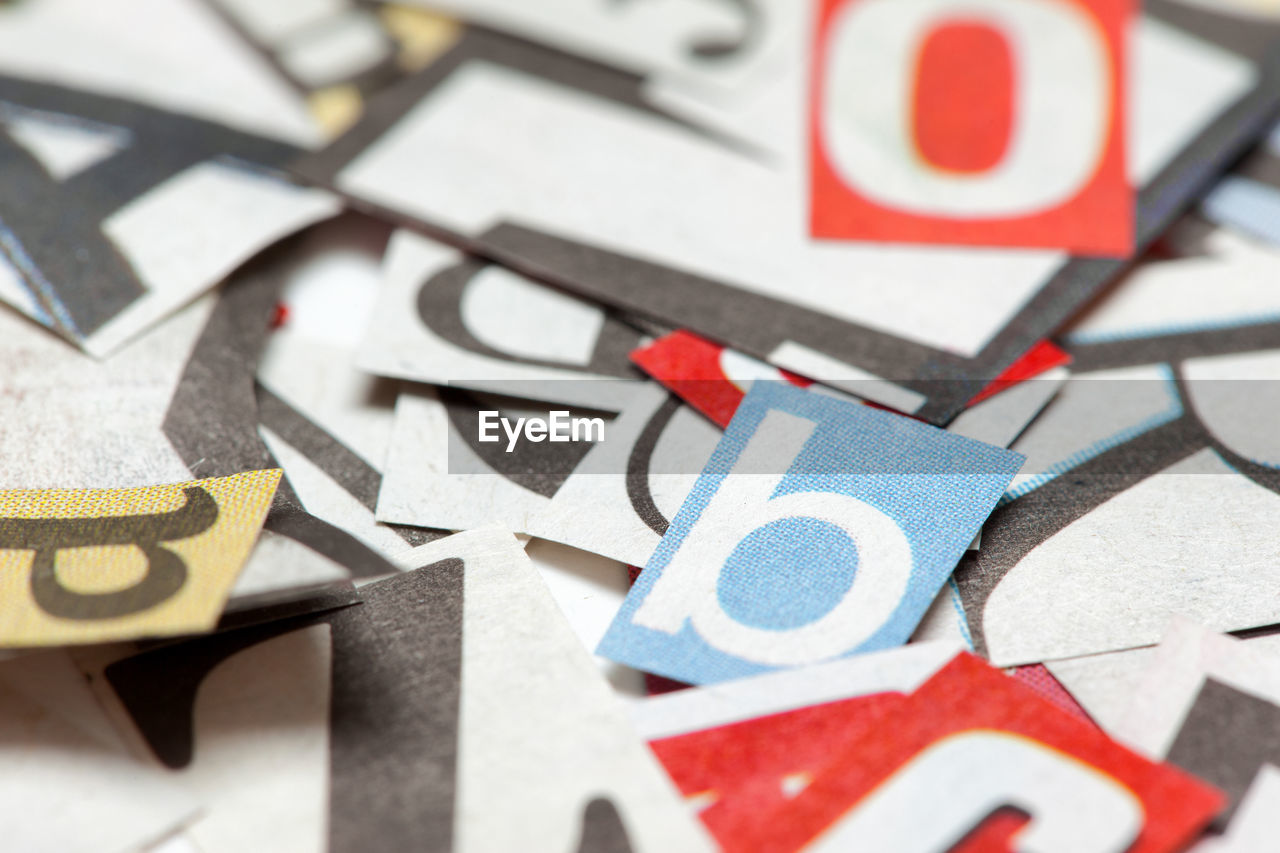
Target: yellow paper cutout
<point>98,565</point>
<point>336,108</point>
<point>422,35</point>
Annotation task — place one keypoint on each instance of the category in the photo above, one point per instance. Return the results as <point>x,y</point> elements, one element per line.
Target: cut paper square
<point>818,529</point>
<point>96,565</point>
<point>969,760</point>
<point>982,123</point>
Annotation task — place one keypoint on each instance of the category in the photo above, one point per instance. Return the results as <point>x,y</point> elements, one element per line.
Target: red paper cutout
<point>1041,358</point>
<point>692,368</point>
<point>922,145</point>
<point>776,783</point>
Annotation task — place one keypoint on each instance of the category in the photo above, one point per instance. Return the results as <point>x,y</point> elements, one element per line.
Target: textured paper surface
<point>200,68</point>
<point>1247,199</point>
<point>71,557</point>
<point>64,791</point>
<point>515,792</point>
<point>76,421</point>
<point>1167,297</point>
<point>432,689</point>
<point>1177,668</point>
<point>219,417</point>
<point>338,53</point>
<point>1254,825</point>
<point>52,679</point>
<point>819,528</point>
<point>452,319</point>
<point>1209,704</point>
<point>1141,473</point>
<point>1098,569</point>
<point>327,422</point>
<point>899,670</point>
<point>1042,142</point>
<point>716,49</point>
<point>161,158</point>
<point>1104,684</point>
<point>614,498</point>
<point>261,719</point>
<point>856,772</point>
<point>552,214</point>
<point>714,379</point>
<point>589,590</point>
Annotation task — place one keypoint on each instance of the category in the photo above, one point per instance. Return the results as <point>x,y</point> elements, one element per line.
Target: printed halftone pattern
<point>1042,681</point>
<point>96,565</point>
<point>819,528</point>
